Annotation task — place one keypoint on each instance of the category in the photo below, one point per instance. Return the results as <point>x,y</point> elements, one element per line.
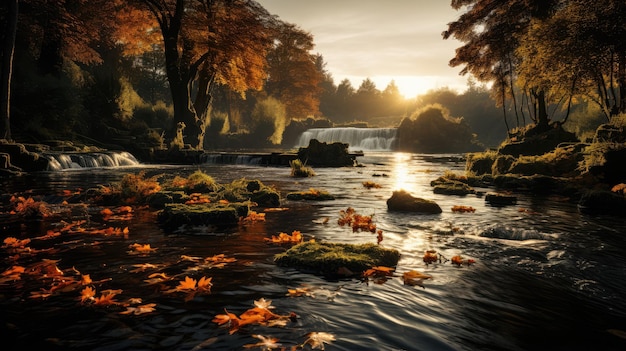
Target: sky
<point>397,40</point>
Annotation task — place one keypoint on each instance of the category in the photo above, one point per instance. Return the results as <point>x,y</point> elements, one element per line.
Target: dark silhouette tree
<point>8,48</point>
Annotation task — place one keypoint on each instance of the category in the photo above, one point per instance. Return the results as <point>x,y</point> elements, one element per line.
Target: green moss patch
<point>328,258</point>
<point>311,194</point>
<point>176,215</point>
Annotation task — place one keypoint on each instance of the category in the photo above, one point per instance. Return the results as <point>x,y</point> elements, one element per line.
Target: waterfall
<point>58,160</point>
<point>382,139</point>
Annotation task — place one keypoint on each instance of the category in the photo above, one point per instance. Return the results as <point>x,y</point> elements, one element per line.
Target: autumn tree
<point>208,42</point>
<point>491,31</point>
<point>293,75</point>
<point>583,44</point>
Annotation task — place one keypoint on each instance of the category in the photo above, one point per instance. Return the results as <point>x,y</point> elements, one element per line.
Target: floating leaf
<point>413,278</point>
<point>266,343</point>
<point>318,339</point>
<point>142,309</point>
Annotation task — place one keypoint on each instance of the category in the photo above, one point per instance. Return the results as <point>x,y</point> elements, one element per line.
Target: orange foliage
<point>295,237</point>
<point>459,261</point>
<point>369,185</point>
<point>138,249</point>
<point>460,208</point>
<point>414,278</point>
<point>142,309</point>
<point>28,207</point>
<point>359,222</point>
<point>253,216</point>
<point>197,198</point>
<point>259,314</point>
<point>430,256</point>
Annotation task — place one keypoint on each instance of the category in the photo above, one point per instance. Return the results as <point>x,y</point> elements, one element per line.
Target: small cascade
<point>58,160</point>
<point>371,139</point>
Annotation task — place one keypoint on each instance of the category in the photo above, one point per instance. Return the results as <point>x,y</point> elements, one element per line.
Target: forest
<point>208,74</point>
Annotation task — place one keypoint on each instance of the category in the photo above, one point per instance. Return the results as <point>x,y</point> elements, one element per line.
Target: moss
<point>328,258</point>
<point>175,215</point>
<point>160,199</point>
<point>453,188</point>
<point>241,190</point>
<point>200,182</point>
<point>300,169</point>
<point>311,194</point>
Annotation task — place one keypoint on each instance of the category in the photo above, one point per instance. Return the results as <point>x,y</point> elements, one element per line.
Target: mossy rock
<point>175,215</point>
<point>329,258</point>
<point>162,198</point>
<point>310,195</point>
<point>403,201</point>
<point>242,190</point>
<point>452,187</point>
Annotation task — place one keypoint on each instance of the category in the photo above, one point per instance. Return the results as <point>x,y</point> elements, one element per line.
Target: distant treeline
<point>145,74</point>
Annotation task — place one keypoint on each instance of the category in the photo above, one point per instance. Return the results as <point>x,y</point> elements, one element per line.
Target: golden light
<point>409,86</point>
<point>400,172</point>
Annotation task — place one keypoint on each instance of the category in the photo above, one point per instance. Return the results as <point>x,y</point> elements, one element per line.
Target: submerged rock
<point>336,258</point>
<point>602,202</point>
<point>499,199</point>
<point>403,201</point>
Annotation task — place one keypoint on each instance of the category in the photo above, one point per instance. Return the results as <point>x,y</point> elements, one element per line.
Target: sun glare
<point>409,86</point>
<point>412,86</point>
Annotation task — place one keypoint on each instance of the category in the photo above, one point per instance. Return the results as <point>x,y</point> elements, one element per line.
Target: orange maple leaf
<point>105,299</point>
<point>87,293</point>
<point>225,318</point>
<point>142,309</point>
<point>205,283</point>
<point>187,284</point>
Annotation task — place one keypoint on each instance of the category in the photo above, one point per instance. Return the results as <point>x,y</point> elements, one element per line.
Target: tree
<point>491,31</point>
<point>582,42</point>
<point>293,74</point>
<point>345,99</point>
<point>8,48</point>
<point>367,98</point>
<point>208,42</point>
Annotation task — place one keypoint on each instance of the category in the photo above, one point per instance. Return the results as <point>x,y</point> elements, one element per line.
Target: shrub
<point>269,120</point>
<point>299,169</point>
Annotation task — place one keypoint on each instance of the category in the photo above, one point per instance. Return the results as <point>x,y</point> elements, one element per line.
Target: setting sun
<point>411,86</point>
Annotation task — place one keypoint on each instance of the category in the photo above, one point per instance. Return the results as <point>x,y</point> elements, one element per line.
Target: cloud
<point>366,38</point>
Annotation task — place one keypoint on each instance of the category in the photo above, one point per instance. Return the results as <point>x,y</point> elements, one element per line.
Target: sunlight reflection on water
<point>520,287</point>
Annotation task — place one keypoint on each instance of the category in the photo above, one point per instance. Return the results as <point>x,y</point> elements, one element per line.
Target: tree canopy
<point>544,51</point>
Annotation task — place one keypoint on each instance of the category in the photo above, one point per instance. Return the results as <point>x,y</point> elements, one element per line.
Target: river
<point>544,277</point>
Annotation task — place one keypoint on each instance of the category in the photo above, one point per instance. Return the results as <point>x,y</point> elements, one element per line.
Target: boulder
<point>500,199</point>
<point>326,155</point>
<point>403,201</point>
<point>332,259</point>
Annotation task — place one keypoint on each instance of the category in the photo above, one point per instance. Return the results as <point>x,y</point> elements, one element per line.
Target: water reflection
<point>568,282</point>
<point>400,172</point>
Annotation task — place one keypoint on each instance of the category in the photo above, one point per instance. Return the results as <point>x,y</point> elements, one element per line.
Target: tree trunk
<point>621,81</point>
<point>8,49</point>
<point>542,111</point>
<point>179,81</point>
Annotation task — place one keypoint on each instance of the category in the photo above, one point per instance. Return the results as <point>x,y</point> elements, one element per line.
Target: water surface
<point>545,276</point>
